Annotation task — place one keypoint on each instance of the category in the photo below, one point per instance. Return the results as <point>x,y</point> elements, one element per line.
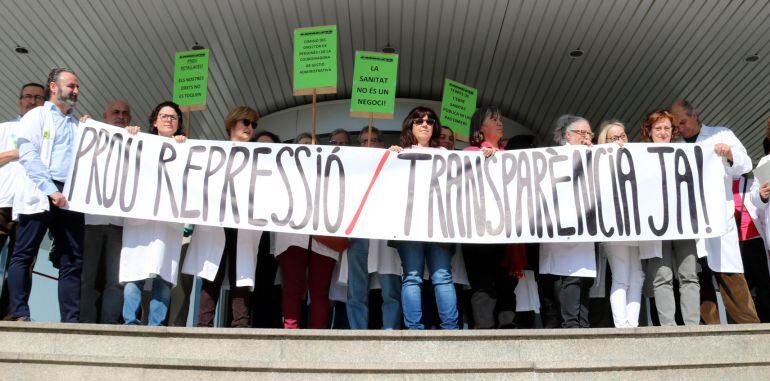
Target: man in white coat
<point>31,96</point>
<point>46,143</point>
<point>723,253</point>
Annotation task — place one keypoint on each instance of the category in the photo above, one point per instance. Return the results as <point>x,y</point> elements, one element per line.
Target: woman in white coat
<point>215,252</point>
<point>623,256</point>
<point>573,263</point>
<point>151,249</point>
<point>676,257</point>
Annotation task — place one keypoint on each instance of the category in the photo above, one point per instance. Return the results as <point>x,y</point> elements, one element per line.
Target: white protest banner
<point>602,193</point>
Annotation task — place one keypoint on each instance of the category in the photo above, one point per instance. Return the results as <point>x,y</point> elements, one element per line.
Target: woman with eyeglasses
<point>675,257</point>
<point>623,256</point>
<point>420,130</point>
<point>151,249</point>
<point>493,303</point>
<point>215,251</point>
<point>572,263</point>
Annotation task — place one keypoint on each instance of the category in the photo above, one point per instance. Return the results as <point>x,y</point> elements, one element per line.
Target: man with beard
<point>102,302</point>
<point>46,141</point>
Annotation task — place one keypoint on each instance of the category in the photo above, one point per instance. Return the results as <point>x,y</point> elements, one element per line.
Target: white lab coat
<point>28,198</point>
<point>382,259</point>
<point>284,240</point>
<point>205,254</point>
<point>758,209</point>
<point>150,249</point>
<point>723,252</point>
<point>568,259</point>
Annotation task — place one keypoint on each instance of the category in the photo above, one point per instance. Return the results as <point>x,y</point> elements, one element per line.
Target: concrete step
<point>98,352</point>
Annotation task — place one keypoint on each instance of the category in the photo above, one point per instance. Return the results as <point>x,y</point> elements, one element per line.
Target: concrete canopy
<point>636,55</point>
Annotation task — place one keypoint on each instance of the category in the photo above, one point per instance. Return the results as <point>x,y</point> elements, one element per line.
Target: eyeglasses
<point>28,97</point>
<point>418,121</point>
<point>622,137</point>
<point>583,134</point>
<point>172,118</point>
<point>249,122</point>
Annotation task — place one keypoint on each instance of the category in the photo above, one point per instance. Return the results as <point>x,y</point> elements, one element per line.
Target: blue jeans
<point>132,302</point>
<point>413,258</point>
<point>358,290</point>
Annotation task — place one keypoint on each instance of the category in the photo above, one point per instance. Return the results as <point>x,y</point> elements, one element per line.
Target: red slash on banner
<point>366,195</point>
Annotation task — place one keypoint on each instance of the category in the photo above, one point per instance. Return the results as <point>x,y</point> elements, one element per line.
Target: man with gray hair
<point>30,96</point>
<point>46,142</point>
<point>103,239</point>
<point>371,140</point>
<point>574,263</point>
<point>339,137</point>
<point>723,253</point>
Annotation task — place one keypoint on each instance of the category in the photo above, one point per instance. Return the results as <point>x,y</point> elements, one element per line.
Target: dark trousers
<point>574,297</point>
<point>210,291</point>
<point>7,229</point>
<point>757,275</point>
<point>550,310</point>
<point>101,294</point>
<point>735,294</point>
<point>7,234</point>
<point>492,287</point>
<point>599,309</point>
<point>266,298</point>
<point>67,229</point>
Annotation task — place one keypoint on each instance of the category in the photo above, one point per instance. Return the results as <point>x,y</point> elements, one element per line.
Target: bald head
<point>117,113</point>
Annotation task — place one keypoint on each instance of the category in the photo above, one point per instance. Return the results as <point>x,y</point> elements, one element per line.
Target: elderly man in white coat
<point>574,263</point>
<point>724,256</point>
